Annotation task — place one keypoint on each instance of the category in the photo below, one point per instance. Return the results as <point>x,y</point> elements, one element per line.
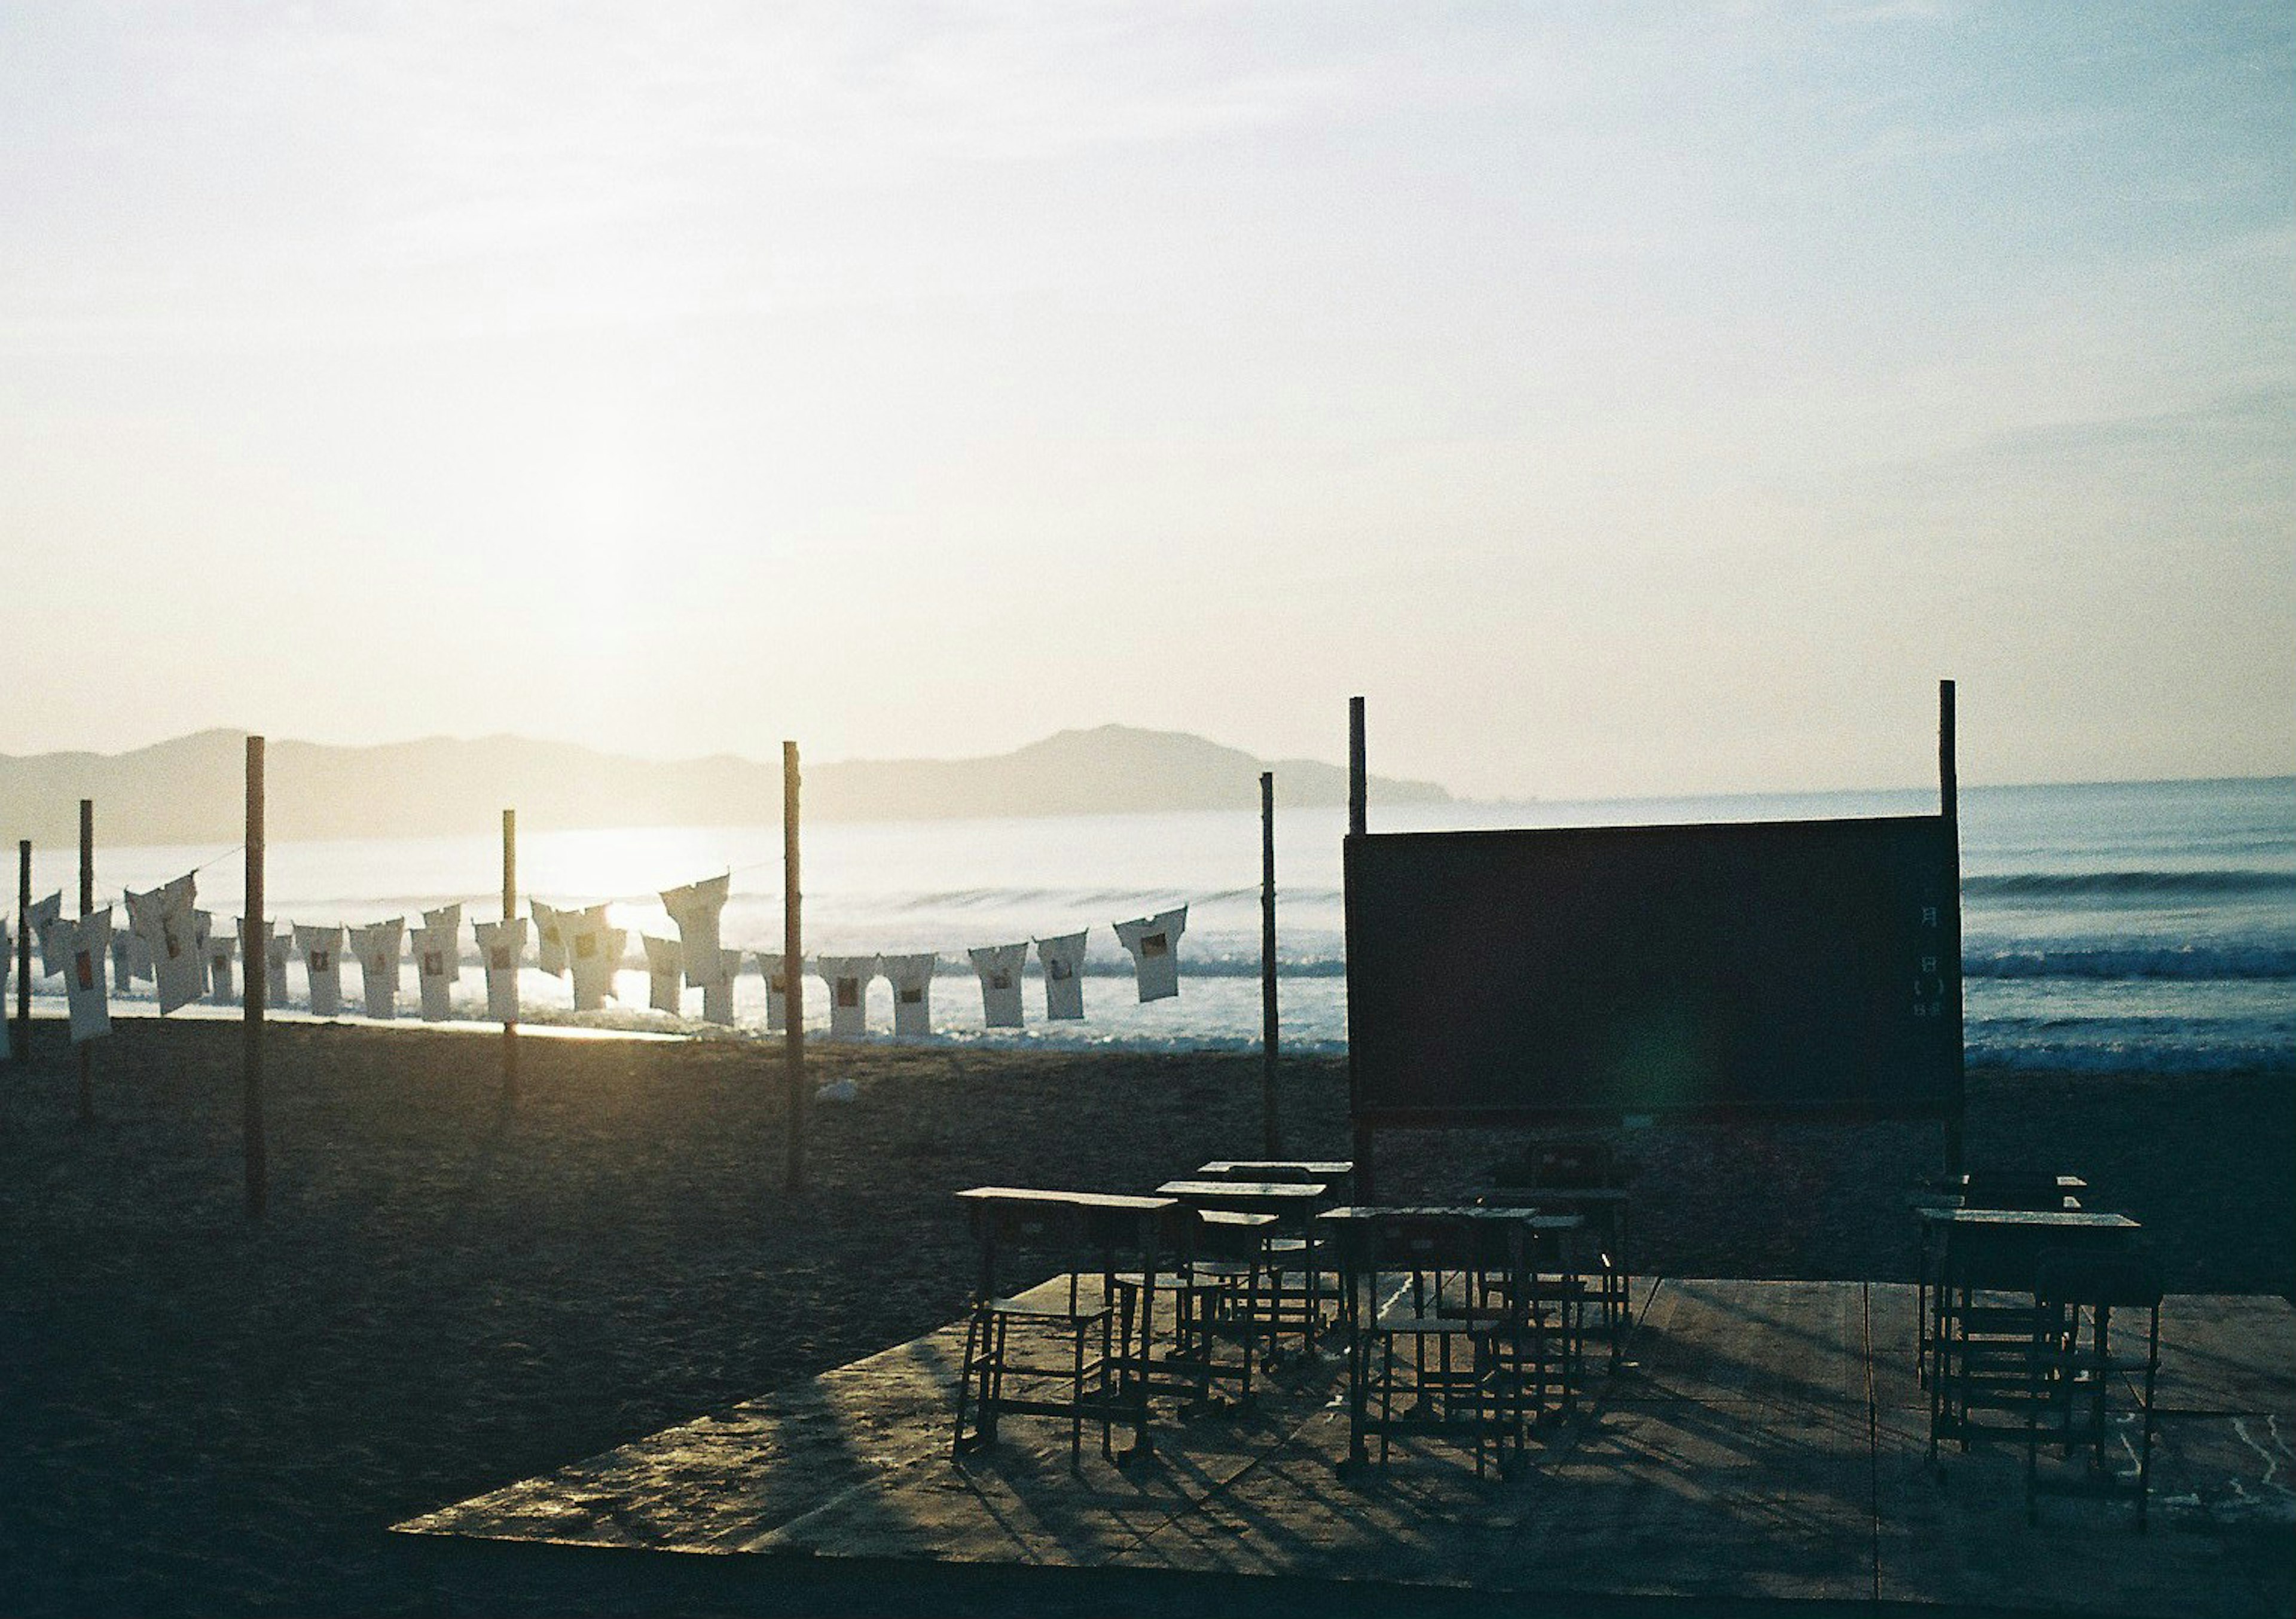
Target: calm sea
<point>2147,925</point>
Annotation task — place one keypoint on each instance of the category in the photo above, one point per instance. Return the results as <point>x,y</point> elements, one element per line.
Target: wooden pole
<point>792,972</point>
<point>1358,771</point>
<point>254,986</point>
<point>1949,809</point>
<point>24,950</point>
<point>509,912</point>
<point>1268,1035</point>
<point>1359,823</point>
<point>86,904</point>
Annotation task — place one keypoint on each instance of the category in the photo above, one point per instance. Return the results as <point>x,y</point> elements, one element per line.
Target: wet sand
<point>204,1414</point>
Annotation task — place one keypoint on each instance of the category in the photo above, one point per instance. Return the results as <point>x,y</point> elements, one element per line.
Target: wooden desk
<point>1994,1250</point>
<point>1291,1201</point>
<point>1338,1173</point>
<point>1476,1242</point>
<point>1117,1230</point>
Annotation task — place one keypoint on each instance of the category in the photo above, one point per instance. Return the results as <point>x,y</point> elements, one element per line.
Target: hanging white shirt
<point>776,991</point>
<point>219,953</point>
<point>40,922</point>
<point>501,946</point>
<point>276,948</point>
<point>84,944</point>
<point>322,950</point>
<point>848,978</point>
<point>163,919</point>
<point>665,973</point>
<point>999,967</point>
<point>1063,960</point>
<point>697,909</point>
<point>589,954</point>
<point>718,999</point>
<point>435,972</point>
<point>446,921</point>
<point>1154,942</point>
<point>377,948</point>
<point>549,939</point>
<point>911,977</point>
<point>202,930</point>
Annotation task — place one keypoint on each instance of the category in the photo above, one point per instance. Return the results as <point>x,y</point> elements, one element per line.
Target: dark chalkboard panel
<point>1772,967</point>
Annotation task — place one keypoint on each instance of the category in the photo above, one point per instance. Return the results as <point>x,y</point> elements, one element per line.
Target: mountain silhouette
<point>191,788</point>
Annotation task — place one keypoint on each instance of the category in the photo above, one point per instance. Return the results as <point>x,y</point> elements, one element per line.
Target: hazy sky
<point>1625,398</point>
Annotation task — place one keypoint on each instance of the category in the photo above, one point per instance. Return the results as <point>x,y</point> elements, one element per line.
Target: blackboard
<point>1596,972</point>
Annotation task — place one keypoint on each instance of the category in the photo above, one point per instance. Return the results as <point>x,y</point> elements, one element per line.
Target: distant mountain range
<point>191,790</point>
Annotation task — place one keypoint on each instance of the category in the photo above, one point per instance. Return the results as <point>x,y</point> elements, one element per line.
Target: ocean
<point>2147,925</point>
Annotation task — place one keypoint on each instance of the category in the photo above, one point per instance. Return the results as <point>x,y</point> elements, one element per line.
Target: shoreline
<point>212,1413</point>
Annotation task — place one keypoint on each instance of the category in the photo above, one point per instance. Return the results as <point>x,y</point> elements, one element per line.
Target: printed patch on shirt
<point>1000,979</point>
<point>499,959</point>
<point>1059,969</point>
<point>849,992</point>
<point>1153,945</point>
<point>85,970</point>
<point>319,961</point>
<point>913,997</point>
<point>434,964</point>
<point>586,945</point>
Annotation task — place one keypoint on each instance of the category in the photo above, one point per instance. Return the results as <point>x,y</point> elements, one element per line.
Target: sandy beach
<point>205,1414</point>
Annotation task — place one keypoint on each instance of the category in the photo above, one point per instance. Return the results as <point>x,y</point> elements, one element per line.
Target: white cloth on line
<point>1154,942</point>
<point>376,945</point>
<point>1063,962</point>
<point>776,990</point>
<point>549,939</point>
<point>501,946</point>
<point>219,950</point>
<point>999,967</point>
<point>447,920</point>
<point>322,950</point>
<point>718,999</point>
<point>436,969</point>
<point>696,909</point>
<point>848,978</point>
<point>911,977</point>
<point>589,955</point>
<point>84,944</point>
<point>39,921</point>
<point>276,948</point>
<point>665,974</point>
<point>164,919</point>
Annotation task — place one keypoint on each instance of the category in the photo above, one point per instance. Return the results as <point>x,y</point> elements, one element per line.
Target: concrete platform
<point>1763,1441</point>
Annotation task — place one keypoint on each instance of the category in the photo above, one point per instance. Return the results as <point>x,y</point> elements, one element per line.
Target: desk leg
<point>1138,1393</point>
<point>978,1352</point>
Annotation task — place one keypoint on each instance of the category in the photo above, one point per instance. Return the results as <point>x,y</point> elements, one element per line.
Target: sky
<point>1624,399</point>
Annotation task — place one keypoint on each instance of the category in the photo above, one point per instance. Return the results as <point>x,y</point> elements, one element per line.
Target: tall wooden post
<point>1359,823</point>
<point>510,912</point>
<point>24,950</point>
<point>86,904</point>
<point>254,986</point>
<point>1272,1123</point>
<point>792,973</point>
<point>1949,808</point>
